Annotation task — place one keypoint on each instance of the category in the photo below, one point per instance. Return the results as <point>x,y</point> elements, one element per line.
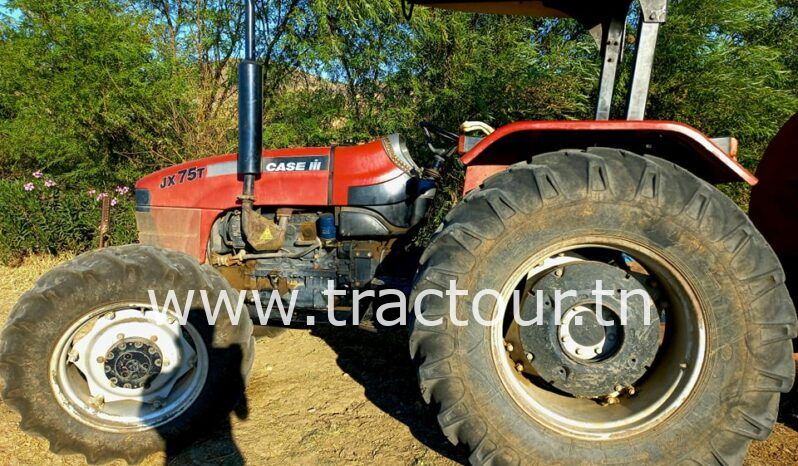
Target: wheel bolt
<point>579,351</point>
<point>509,346</point>
<point>597,350</point>
<point>120,336</point>
<point>519,367</point>
<point>110,316</point>
<point>154,338</point>
<point>100,359</point>
<point>558,273</point>
<point>530,356</point>
<point>96,402</point>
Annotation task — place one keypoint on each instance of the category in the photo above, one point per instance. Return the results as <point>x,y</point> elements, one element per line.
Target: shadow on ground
<point>381,363</point>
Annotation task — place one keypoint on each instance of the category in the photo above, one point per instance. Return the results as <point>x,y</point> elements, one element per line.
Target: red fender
<point>774,201</point>
<point>680,143</point>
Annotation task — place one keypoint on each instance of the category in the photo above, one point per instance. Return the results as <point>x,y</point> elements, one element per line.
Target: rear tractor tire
<point>695,384</point>
<point>91,366</point>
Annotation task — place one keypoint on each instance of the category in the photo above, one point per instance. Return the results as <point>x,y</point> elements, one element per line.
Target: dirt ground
<point>323,397</point>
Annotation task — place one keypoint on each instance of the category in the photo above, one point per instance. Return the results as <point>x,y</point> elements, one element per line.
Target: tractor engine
<point>309,258</point>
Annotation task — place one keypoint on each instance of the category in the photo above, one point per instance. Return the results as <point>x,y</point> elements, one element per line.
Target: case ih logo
<point>295,164</point>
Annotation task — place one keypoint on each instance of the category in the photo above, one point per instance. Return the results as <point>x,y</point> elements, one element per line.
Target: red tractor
<point>550,209</point>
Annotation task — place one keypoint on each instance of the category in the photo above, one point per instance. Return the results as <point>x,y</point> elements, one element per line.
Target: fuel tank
<point>176,206</point>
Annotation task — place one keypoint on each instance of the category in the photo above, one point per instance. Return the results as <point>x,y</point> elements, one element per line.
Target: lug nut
<point>96,402</point>
<point>100,359</point>
<point>110,315</point>
<point>597,350</point>
<point>154,338</point>
<point>530,356</point>
<point>509,346</point>
<point>558,273</point>
<point>519,367</point>
<point>619,388</point>
<point>120,336</point>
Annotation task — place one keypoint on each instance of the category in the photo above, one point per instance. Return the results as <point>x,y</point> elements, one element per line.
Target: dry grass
<point>328,396</point>
<point>17,280</point>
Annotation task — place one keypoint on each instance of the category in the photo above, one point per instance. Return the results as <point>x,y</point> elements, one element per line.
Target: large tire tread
<point>604,175</point>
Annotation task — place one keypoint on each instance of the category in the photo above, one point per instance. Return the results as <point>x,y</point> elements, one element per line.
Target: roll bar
<point>606,21</point>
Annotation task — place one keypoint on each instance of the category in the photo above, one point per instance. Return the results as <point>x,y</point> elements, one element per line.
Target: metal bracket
<point>654,11</point>
<point>652,14</point>
<point>612,38</point>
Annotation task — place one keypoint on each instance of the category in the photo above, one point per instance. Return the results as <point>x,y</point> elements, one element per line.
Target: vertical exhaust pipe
<point>261,233</point>
<point>250,110</point>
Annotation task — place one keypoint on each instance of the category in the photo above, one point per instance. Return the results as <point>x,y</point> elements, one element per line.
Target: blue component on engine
<point>326,224</point>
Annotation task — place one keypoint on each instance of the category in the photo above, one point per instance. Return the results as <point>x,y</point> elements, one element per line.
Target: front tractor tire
<point>89,365</point>
<point>696,385</point>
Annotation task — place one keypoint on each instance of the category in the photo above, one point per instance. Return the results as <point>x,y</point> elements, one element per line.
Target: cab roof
<point>588,12</point>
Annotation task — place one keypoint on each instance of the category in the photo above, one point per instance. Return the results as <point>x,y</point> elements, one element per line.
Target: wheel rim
<point>659,393</point>
<point>127,367</point>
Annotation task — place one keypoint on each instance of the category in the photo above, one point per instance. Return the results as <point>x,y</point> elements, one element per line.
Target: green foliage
<point>103,91</point>
<point>82,94</point>
<point>39,218</point>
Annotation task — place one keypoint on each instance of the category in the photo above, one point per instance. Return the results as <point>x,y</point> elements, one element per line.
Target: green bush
<point>40,215</point>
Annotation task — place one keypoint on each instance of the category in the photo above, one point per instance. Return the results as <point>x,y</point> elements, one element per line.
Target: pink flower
<point>122,190</point>
<point>37,174</point>
<point>91,192</point>
<point>28,186</point>
<point>102,196</point>
<point>114,202</point>
<point>49,183</point>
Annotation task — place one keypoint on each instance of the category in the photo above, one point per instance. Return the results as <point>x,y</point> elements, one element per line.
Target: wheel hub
<point>589,341</point>
<point>133,363</point>
<point>133,354</point>
<point>576,353</point>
